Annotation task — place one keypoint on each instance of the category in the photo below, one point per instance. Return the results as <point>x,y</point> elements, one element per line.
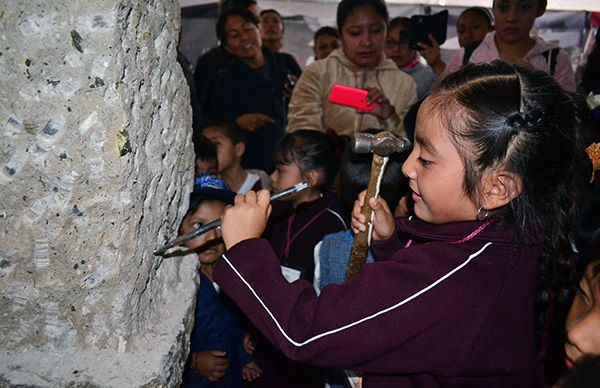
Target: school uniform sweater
<point>294,233</point>
<point>453,309</point>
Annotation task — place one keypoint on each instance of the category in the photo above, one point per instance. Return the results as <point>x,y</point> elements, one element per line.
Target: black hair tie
<point>515,123</point>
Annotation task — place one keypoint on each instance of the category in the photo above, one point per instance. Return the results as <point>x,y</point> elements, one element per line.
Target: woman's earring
<point>482,213</point>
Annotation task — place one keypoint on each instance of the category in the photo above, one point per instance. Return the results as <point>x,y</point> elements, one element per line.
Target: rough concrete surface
<point>96,166</point>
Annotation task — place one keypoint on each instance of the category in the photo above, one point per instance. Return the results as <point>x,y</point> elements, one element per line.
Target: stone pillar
<point>96,166</point>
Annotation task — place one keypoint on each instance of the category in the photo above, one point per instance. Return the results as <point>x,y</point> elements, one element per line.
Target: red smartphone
<point>349,96</point>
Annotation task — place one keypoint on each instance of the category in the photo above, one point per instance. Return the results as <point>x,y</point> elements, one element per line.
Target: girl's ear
<point>312,177</point>
<point>240,148</point>
<point>500,187</point>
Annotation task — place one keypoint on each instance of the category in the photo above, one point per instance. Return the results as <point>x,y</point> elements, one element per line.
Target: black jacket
<point>239,90</point>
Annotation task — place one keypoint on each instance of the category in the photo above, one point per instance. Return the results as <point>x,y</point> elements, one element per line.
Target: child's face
<point>209,246</point>
<point>228,154</point>
<point>284,176</point>
<point>513,19</point>
<point>583,322</point>
<point>397,47</point>
<point>471,27</point>
<point>324,45</point>
<point>436,173</point>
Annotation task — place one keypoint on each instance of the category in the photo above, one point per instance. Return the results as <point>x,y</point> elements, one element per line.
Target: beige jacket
<point>310,107</point>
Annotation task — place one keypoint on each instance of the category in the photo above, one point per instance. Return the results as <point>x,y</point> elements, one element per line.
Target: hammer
<point>382,145</point>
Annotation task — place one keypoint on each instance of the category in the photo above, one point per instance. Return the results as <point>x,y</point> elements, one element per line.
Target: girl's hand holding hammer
<point>383,219</point>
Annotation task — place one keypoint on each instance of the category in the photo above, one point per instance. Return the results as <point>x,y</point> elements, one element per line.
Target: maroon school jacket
<point>293,233</point>
<point>453,309</point>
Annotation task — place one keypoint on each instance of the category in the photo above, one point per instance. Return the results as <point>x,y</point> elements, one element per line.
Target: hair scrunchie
<point>593,152</point>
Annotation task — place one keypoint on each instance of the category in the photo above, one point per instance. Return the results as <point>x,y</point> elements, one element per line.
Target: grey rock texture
<point>96,166</point>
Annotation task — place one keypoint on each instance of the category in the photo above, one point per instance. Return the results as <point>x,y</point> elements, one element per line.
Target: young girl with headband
<point>450,298</point>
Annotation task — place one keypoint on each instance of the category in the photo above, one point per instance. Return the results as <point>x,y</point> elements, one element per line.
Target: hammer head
<point>383,143</point>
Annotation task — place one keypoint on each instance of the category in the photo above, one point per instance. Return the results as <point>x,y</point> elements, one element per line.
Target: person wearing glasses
<point>397,48</point>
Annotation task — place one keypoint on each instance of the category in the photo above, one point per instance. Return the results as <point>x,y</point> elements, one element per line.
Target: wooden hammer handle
<point>360,247</point>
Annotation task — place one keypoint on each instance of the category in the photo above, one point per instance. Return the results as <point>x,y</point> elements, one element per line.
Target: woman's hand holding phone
<point>433,55</point>
<point>383,108</point>
<point>369,100</point>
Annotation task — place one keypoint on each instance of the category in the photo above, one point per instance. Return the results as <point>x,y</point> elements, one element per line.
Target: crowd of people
<point>484,265</point>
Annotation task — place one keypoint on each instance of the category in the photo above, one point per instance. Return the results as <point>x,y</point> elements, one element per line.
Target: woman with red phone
<point>358,63</point>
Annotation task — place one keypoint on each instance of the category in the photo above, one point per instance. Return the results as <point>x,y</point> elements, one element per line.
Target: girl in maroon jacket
<point>300,221</point>
<point>450,300</point>
<point>296,225</point>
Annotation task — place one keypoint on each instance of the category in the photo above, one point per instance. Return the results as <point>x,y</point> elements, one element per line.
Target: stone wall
<point>96,166</point>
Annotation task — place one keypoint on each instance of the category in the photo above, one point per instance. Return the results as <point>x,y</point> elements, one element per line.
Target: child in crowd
<point>582,326</point>
<point>397,48</point>
<point>332,253</point>
<point>449,302</point>
<point>206,161</point>
<point>297,224</point>
<point>583,322</point>
<point>228,139</point>
<point>217,357</point>
<point>325,40</point>
<point>511,42</point>
<point>585,241</point>
<point>301,220</point>
<point>471,27</point>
